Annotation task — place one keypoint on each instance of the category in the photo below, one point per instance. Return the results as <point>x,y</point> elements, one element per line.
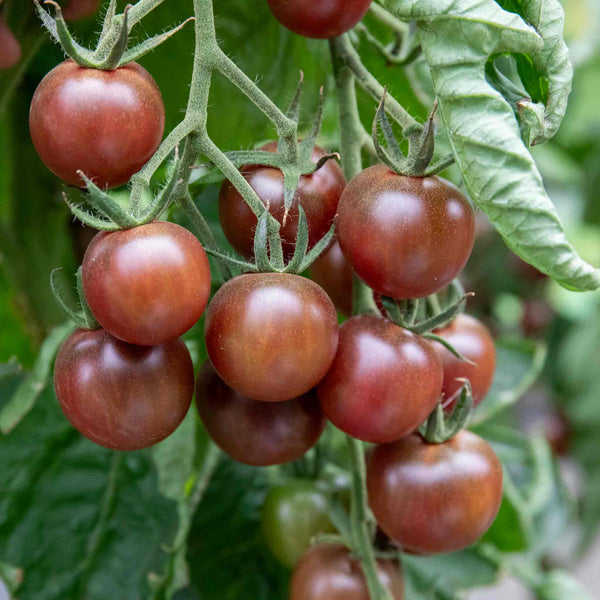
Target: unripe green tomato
<point>292,515</point>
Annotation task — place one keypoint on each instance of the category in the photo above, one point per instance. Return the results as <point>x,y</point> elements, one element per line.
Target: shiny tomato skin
<point>333,273</point>
<point>318,194</point>
<point>292,515</point>
<point>320,20</point>
<point>271,336</point>
<point>146,285</point>
<point>75,10</point>
<point>472,340</point>
<point>435,498</point>
<point>253,432</point>
<point>406,237</point>
<point>104,123</point>
<point>10,49</point>
<point>384,381</point>
<point>122,396</point>
<point>329,572</point>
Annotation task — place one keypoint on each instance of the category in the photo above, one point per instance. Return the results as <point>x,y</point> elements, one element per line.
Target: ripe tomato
<point>473,341</point>
<point>333,273</point>
<point>104,123</point>
<point>253,432</point>
<point>79,9</point>
<point>10,49</point>
<point>433,498</point>
<point>292,515</point>
<point>122,396</point>
<point>320,20</point>
<point>146,285</point>
<point>329,572</point>
<point>318,194</point>
<point>384,381</point>
<point>406,237</point>
<point>271,336</point>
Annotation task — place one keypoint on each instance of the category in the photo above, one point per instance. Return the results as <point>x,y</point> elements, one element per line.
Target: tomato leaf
<point>518,364</point>
<point>559,585</point>
<point>458,37</point>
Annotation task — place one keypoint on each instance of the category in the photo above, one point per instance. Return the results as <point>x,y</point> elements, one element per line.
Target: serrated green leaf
<point>458,37</point>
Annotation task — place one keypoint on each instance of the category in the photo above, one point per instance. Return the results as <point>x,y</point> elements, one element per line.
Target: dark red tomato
<point>406,237</point>
<point>537,317</point>
<point>384,381</point>
<point>122,396</point>
<point>435,498</point>
<point>321,20</point>
<point>329,572</point>
<point>292,515</point>
<point>79,9</point>
<point>146,285</point>
<point>10,49</point>
<point>333,273</point>
<point>472,340</point>
<point>254,432</point>
<point>318,194</point>
<point>104,123</point>
<point>270,336</point>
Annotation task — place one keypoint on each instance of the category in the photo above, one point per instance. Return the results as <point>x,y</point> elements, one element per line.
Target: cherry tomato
<point>406,237</point>
<point>122,396</point>
<point>329,572</point>
<point>79,9</point>
<point>537,317</point>
<point>433,498</point>
<point>320,20</point>
<point>292,515</point>
<point>271,336</point>
<point>146,285</point>
<point>10,49</point>
<point>254,432</point>
<point>474,342</point>
<point>318,194</point>
<point>384,381</point>
<point>333,273</point>
<point>104,123</point>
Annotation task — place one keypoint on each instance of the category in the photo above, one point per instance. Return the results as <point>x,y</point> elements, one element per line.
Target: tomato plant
<point>271,336</point>
<point>383,383</point>
<point>318,194</point>
<point>406,237</point>
<point>474,342</point>
<point>438,498</point>
<point>329,572</point>
<point>292,515</point>
<point>146,285</point>
<point>123,396</point>
<point>106,124</point>
<point>325,19</point>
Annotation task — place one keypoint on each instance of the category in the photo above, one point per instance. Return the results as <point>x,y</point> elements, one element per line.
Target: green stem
<point>387,18</point>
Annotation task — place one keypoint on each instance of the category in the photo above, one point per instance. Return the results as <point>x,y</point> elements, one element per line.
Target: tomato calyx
<point>442,426</point>
<point>419,161</point>
<point>112,50</point>
<point>82,315</point>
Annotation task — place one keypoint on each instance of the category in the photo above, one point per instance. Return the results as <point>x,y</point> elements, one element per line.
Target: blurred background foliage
<point>71,519</point>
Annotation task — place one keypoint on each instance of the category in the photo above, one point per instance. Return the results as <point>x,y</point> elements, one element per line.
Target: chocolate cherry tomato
<point>435,498</point>
<point>318,194</point>
<point>321,20</point>
<point>384,381</point>
<point>79,9</point>
<point>474,342</point>
<point>10,49</point>
<point>333,273</point>
<point>106,124</point>
<point>271,336</point>
<point>123,396</point>
<point>254,432</point>
<point>406,237</point>
<point>329,572</point>
<point>146,285</point>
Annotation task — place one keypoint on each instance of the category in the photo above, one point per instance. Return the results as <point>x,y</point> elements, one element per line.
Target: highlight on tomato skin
<point>10,48</point>
<point>254,432</point>
<point>123,396</point>
<point>435,498</point>
<point>107,124</point>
